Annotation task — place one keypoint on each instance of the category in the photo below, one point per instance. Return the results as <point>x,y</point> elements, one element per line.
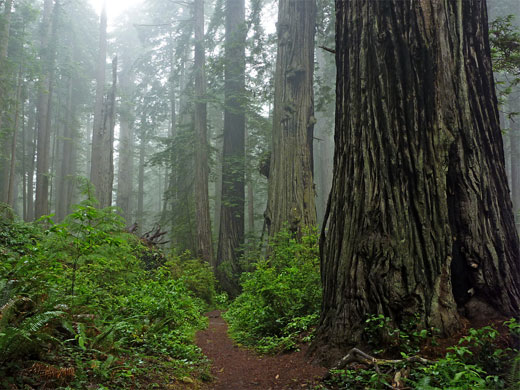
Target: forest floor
<point>235,368</point>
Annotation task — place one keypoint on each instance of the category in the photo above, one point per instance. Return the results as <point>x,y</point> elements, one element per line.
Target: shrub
<point>280,299</point>
<point>76,298</point>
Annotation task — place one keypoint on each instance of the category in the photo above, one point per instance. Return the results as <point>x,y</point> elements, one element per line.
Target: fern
<point>16,340</point>
<point>513,378</point>
<point>35,323</point>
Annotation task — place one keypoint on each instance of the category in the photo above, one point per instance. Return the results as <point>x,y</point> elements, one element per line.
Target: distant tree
<point>5,23</point>
<point>505,53</point>
<point>291,185</point>
<point>101,171</point>
<point>420,219</point>
<point>204,238</point>
<point>126,144</point>
<point>48,36</point>
<point>231,232</point>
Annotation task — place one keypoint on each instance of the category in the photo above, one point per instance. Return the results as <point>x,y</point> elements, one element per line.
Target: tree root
<point>357,356</point>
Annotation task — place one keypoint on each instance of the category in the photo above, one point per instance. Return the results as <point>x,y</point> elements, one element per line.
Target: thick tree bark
<point>419,197</point>
<point>204,238</point>
<point>231,232</point>
<point>45,89</point>
<point>291,187</point>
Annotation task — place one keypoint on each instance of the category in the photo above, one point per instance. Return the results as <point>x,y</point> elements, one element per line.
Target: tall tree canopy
<point>420,219</point>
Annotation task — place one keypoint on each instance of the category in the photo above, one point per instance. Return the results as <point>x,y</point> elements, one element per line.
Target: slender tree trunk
<point>420,218</point>
<point>24,168</point>
<point>140,180</point>
<point>514,142</point>
<point>231,234</point>
<point>67,168</point>
<point>4,76</point>
<point>4,32</point>
<point>45,90</point>
<point>218,188</point>
<point>291,186</point>
<point>203,221</point>
<point>126,145</point>
<point>99,164</point>
<point>250,197</point>
<point>55,151</point>
<point>172,132</point>
<point>11,186</point>
<point>30,172</point>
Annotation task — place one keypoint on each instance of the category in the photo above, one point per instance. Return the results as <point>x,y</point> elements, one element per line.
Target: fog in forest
<point>208,128</point>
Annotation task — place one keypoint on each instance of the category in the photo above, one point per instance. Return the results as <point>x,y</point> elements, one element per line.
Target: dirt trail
<point>238,369</point>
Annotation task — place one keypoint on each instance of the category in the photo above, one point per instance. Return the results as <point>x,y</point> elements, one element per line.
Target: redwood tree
<point>101,168</point>
<point>291,186</point>
<point>420,218</point>
<point>231,233</point>
<point>204,241</point>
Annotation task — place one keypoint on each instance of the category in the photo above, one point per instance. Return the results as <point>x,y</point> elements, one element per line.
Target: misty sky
<point>114,7</point>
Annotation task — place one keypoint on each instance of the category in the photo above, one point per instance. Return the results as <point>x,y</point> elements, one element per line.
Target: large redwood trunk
<point>291,199</point>
<point>420,199</point>
<point>231,232</point>
<point>204,238</point>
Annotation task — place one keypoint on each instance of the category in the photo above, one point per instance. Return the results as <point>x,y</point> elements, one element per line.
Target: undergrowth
<point>280,297</point>
<point>483,359</point>
<point>79,308</point>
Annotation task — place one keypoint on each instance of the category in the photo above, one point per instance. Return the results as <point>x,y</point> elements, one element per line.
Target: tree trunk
<point>204,238</point>
<point>67,168</point>
<point>4,76</point>
<point>140,180</point>
<point>45,88</point>
<point>419,215</point>
<point>291,187</point>
<point>169,195</point>
<point>231,232</point>
<point>16,121</point>
<point>4,32</point>
<point>30,171</point>
<point>126,149</point>
<point>100,156</point>
<point>514,141</point>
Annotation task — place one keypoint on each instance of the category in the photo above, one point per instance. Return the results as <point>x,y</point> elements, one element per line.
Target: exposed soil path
<point>237,369</point>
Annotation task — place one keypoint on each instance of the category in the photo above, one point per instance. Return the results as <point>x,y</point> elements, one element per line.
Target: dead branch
<point>357,356</point>
<point>328,49</point>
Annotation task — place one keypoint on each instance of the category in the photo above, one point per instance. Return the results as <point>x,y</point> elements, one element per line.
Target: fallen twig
<point>355,355</point>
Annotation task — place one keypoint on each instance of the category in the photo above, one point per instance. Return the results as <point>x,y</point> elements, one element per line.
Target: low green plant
<point>76,296</point>
<point>280,299</point>
<point>383,337</point>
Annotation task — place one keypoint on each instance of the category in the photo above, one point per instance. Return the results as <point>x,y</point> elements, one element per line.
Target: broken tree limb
<point>328,49</point>
<point>355,355</point>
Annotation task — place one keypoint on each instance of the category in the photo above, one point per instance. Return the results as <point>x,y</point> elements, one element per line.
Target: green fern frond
<point>513,378</point>
<point>9,309</point>
<point>35,323</point>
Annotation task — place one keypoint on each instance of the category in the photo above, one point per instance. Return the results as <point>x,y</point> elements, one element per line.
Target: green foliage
<point>361,379</point>
<point>196,274</point>
<point>504,37</point>
<point>76,294</point>
<point>382,336</point>
<point>281,297</point>
<point>477,361</point>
